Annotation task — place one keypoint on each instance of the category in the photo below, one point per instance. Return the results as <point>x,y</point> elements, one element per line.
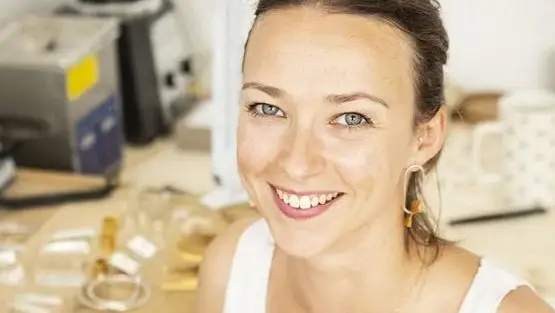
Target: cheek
<point>364,165</point>
<point>254,153</point>
<point>360,165</point>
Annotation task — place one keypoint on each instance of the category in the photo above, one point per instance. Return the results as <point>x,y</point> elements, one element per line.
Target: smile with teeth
<point>306,202</point>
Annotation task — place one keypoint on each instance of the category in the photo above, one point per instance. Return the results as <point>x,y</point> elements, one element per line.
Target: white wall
<point>501,44</point>
<point>496,45</point>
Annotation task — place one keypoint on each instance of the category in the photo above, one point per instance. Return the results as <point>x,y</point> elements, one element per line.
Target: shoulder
<point>524,300</point>
<point>455,277</point>
<point>450,278</point>
<point>216,266</point>
<point>521,300</point>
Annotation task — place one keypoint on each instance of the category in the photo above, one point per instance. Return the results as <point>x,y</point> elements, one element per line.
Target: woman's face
<point>325,132</point>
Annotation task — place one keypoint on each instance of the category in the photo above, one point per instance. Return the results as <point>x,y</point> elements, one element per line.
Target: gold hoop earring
<point>416,206</point>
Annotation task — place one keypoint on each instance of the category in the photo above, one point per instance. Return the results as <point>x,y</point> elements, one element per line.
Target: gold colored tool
<point>99,268</point>
<point>191,248</point>
<point>190,258</point>
<point>194,243</point>
<point>107,244</point>
<point>110,225</point>
<point>187,281</point>
<point>107,239</point>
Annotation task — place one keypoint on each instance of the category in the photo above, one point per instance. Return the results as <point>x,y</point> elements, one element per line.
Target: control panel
<point>172,62</point>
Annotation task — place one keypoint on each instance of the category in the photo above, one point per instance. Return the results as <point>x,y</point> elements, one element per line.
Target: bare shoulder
<point>457,268</point>
<point>524,300</point>
<point>216,266</point>
<point>449,279</point>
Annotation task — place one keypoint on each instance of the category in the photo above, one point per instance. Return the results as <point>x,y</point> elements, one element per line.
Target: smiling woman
<point>337,96</point>
<point>343,115</point>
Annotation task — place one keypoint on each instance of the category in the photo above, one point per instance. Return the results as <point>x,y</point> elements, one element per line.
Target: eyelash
<point>368,122</point>
<point>251,109</point>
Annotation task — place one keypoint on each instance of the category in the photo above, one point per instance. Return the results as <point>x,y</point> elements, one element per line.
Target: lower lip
<point>301,214</point>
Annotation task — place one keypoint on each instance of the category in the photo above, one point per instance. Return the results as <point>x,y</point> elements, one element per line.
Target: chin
<point>305,238</point>
<point>299,242</point>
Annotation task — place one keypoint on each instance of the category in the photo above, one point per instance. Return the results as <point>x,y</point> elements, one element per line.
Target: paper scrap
<point>142,247</point>
<point>124,263</point>
<point>78,233</point>
<point>68,246</point>
<point>7,258</point>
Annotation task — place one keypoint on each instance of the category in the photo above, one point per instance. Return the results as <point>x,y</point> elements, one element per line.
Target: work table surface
<point>46,221</point>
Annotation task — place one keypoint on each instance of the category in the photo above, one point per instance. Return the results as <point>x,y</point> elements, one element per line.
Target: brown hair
<point>420,20</point>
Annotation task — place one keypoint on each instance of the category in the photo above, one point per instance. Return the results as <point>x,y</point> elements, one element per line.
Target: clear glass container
<point>149,212</point>
<point>62,264</point>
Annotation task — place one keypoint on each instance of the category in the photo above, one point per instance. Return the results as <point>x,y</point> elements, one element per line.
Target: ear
<point>430,137</point>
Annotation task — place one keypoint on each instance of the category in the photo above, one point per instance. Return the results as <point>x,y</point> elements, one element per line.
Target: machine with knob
<point>154,63</point>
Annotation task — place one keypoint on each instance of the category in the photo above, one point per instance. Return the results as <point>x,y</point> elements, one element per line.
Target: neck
<point>368,269</point>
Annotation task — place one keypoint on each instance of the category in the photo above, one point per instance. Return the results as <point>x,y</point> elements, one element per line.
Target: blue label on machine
<point>99,139</point>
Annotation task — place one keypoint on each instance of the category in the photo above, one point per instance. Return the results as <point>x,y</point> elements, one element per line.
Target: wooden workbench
<point>45,221</point>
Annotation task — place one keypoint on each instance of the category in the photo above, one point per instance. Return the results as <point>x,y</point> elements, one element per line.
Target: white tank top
<point>250,270</point>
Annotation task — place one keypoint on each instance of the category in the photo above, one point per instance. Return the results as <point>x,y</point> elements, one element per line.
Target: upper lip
<point>303,193</point>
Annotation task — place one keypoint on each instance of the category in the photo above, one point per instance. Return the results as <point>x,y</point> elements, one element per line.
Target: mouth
<point>303,205</point>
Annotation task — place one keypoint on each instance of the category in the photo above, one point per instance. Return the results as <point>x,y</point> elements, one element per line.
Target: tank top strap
<point>250,271</point>
<point>490,286</point>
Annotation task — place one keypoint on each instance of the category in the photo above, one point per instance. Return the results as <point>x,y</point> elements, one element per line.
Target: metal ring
<point>140,296</point>
<point>90,288</point>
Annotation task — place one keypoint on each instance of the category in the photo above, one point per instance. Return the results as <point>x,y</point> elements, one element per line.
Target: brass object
<point>185,266</point>
<point>416,207</point>
<point>191,248</point>
<point>110,225</point>
<point>194,243</point>
<point>107,238</point>
<point>99,268</point>
<point>190,258</point>
<point>187,281</point>
<point>107,244</point>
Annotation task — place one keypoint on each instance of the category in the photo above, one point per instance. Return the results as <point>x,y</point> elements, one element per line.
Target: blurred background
<point>124,110</point>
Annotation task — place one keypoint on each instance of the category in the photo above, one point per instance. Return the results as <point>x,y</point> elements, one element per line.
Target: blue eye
<point>351,120</point>
<point>264,109</point>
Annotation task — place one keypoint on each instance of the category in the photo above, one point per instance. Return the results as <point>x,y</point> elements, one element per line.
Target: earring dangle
<point>416,206</point>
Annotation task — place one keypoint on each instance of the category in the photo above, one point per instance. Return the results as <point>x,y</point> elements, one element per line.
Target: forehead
<point>305,51</point>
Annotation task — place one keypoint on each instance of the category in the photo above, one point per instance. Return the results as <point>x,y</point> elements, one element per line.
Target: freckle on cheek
<point>252,157</point>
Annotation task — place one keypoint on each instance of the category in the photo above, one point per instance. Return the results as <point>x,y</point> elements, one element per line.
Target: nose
<point>301,155</point>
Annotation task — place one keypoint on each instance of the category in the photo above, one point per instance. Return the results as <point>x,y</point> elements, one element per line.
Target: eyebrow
<point>338,99</point>
<point>272,91</point>
<point>355,96</point>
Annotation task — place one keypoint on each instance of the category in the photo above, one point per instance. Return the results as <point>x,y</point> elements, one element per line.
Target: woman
<point>342,116</point>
